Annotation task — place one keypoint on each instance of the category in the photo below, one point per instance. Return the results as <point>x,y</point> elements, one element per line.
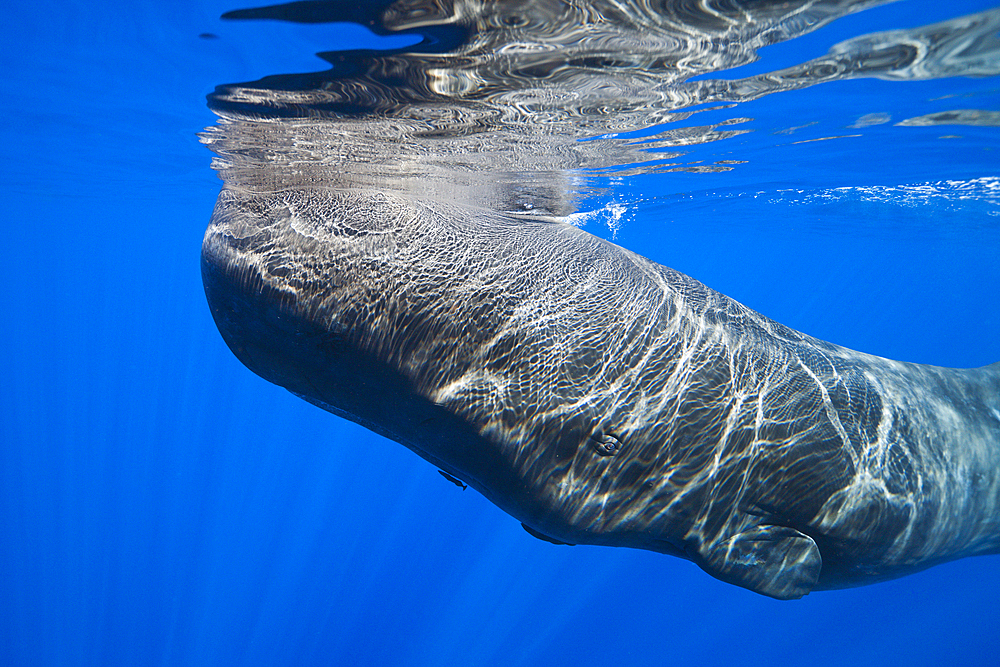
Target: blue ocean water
<point>160,504</point>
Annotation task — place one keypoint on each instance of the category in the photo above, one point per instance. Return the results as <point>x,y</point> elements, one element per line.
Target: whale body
<point>601,398</point>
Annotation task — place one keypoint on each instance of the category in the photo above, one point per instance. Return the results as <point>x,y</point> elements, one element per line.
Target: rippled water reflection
<point>510,105</point>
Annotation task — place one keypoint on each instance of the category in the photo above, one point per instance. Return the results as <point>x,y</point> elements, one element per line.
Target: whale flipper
<point>776,561</point>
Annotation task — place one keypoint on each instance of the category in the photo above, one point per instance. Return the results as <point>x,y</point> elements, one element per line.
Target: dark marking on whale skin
<point>601,398</point>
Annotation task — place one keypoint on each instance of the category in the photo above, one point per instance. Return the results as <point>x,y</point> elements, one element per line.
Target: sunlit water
<point>159,504</point>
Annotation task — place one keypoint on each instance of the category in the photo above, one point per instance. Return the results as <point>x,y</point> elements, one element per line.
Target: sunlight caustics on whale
<point>394,242</point>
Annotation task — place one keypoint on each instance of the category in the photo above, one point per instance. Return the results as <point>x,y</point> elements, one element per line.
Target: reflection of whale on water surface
<point>365,257</point>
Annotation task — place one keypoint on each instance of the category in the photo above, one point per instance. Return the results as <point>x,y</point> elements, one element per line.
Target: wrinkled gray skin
<point>601,398</point>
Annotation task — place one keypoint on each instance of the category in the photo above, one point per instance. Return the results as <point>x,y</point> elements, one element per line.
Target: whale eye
<point>606,444</point>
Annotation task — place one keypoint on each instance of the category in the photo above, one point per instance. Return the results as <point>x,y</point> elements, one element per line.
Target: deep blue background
<point>159,504</point>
